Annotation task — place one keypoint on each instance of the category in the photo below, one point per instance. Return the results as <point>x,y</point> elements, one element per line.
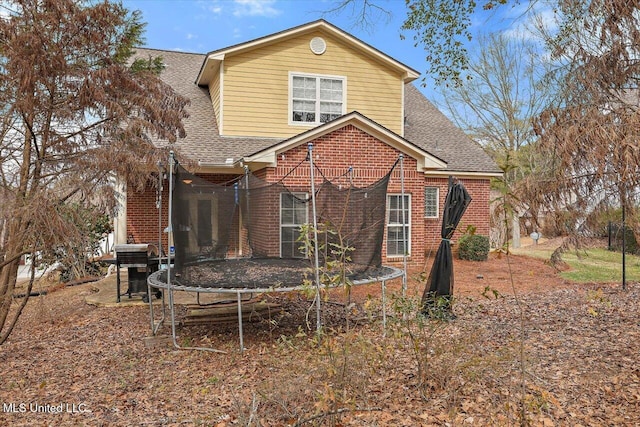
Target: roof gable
<point>425,160</point>
<point>425,127</point>
<point>214,58</point>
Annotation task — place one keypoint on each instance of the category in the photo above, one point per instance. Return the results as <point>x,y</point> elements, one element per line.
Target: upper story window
<point>316,99</point>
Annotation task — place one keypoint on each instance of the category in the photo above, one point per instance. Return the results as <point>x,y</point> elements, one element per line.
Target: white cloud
<point>255,8</point>
<point>190,36</point>
<point>211,6</point>
<point>527,22</point>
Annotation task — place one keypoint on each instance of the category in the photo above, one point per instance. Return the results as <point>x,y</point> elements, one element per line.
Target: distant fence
<point>615,232</point>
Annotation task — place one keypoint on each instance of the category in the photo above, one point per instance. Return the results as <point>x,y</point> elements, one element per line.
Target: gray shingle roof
<point>431,130</point>
<point>425,125</point>
<point>203,142</point>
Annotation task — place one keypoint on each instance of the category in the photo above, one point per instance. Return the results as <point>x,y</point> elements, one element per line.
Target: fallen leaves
<point>579,368</point>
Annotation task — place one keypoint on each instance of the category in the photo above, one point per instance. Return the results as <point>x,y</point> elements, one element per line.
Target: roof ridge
<point>169,51</point>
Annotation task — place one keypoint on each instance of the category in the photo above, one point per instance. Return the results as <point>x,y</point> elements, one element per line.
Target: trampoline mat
<point>262,273</point>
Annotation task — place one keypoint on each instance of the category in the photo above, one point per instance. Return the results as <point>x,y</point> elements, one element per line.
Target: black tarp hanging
<point>439,286</point>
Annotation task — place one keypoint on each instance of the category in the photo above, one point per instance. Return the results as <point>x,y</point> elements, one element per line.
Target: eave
<point>463,174</point>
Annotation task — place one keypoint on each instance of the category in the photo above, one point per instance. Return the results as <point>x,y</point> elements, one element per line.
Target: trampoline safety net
<point>259,224</point>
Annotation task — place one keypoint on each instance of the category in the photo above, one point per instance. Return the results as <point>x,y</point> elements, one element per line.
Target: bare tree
<point>591,135</point>
<point>363,13</point>
<point>496,107</point>
<point>76,111</point>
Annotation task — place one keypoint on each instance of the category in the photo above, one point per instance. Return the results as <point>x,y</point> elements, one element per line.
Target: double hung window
<point>293,214</point>
<point>316,99</point>
<point>398,225</point>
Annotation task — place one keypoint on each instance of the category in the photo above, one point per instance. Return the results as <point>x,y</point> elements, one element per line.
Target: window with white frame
<point>293,214</point>
<point>431,202</point>
<point>398,224</point>
<point>316,99</point>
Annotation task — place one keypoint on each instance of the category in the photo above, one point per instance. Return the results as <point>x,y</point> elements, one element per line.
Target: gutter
<point>463,174</point>
<point>230,165</point>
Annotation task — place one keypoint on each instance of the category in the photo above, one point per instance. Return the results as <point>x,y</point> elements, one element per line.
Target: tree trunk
<point>515,231</point>
<point>8,279</point>
<point>9,274</point>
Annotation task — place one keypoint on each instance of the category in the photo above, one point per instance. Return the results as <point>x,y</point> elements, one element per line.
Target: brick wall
<point>333,154</point>
<point>143,216</point>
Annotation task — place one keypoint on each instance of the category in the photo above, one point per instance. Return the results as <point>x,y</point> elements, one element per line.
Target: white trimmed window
<point>398,225</point>
<point>293,214</point>
<point>431,202</point>
<point>316,99</point>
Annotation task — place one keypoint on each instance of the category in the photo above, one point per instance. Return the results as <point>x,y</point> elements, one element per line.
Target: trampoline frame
<point>154,280</point>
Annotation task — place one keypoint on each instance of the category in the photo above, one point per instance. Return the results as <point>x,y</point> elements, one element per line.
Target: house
<point>259,104</point>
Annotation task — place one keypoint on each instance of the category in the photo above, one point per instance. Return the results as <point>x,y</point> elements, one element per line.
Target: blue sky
<point>206,25</point>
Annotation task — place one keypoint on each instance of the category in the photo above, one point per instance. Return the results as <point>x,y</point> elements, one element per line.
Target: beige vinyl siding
<point>214,93</point>
<point>256,86</point>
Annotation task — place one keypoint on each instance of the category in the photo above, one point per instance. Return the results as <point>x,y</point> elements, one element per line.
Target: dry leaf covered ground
<point>554,354</point>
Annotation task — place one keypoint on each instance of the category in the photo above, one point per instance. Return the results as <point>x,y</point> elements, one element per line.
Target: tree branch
<point>335,412</point>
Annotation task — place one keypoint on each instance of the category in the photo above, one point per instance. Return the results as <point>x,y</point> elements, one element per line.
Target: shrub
<point>473,247</point>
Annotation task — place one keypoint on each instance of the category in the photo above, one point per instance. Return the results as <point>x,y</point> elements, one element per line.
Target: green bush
<point>473,247</point>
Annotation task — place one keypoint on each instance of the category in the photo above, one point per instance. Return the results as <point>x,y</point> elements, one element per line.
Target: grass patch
<point>593,265</point>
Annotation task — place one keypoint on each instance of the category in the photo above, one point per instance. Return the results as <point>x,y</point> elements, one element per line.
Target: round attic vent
<point>318,45</point>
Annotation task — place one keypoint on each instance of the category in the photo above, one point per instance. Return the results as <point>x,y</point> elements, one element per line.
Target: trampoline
<point>288,270</point>
<point>212,223</point>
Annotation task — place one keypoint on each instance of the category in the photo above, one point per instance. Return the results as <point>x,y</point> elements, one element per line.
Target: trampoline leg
<point>150,308</point>
<point>240,322</point>
<point>156,325</point>
<point>173,318</point>
<point>173,328</point>
<point>384,309</point>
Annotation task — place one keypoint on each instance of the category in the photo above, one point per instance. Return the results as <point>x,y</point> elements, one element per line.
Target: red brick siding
<point>477,213</point>
<point>143,217</point>
<point>333,154</point>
